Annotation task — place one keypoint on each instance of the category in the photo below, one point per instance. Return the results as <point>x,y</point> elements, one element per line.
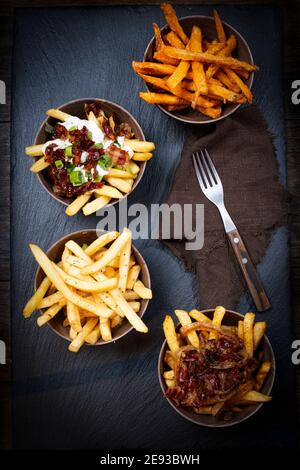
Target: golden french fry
<point>169,374</point>
<point>153,68</point>
<point>161,98</point>
<point>169,359</point>
<point>204,410</point>
<point>133,275</point>
<point>121,184</point>
<point>178,75</point>
<point>100,242</point>
<point>226,81</point>
<point>131,295</point>
<point>78,251</point>
<point>170,334</point>
<point>124,265</point>
<point>77,204</point>
<point>53,275</point>
<point>128,312</point>
<point>185,319</point>
<point>198,316</point>
<point>37,297</point>
<point>140,146</point>
<point>160,57</point>
<point>258,332</point>
<point>78,342</point>
<point>257,397</point>
<point>109,192</point>
<point>248,333</point>
<point>50,300</point>
<point>262,374</point>
<point>94,335</point>
<point>58,114</point>
<point>133,168</point>
<point>199,78</point>
<point>172,20</point>
<point>241,330</point>
<point>142,156</point>
<point>75,261</point>
<point>87,286</point>
<point>95,205</point>
<point>170,383</point>
<point>39,165</point>
<point>73,316</point>
<point>116,321</point>
<point>72,333</point>
<point>136,306</point>
<point>113,251</point>
<point>34,150</point>
<point>142,291</point>
<point>158,39</point>
<point>50,312</point>
<point>115,172</point>
<point>105,329</point>
<point>217,321</point>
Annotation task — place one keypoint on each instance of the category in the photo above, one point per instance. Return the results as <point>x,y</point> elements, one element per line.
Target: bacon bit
<point>118,156</point>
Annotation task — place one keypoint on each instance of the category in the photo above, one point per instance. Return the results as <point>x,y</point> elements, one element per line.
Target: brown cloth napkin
<point>242,150</point>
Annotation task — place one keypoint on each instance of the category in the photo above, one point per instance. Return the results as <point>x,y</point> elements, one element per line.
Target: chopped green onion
<point>105,161</point>
<point>59,164</point>
<point>76,178</point>
<point>117,143</point>
<point>68,151</point>
<point>90,135</point>
<point>73,128</point>
<point>98,178</point>
<point>70,168</point>
<point>88,174</point>
<point>98,146</point>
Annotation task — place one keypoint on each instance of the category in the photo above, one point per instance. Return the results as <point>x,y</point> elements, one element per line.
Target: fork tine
<point>199,171</point>
<point>207,168</point>
<point>212,168</point>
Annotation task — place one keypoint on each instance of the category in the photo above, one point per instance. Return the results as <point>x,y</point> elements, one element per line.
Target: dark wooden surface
<point>291,54</point>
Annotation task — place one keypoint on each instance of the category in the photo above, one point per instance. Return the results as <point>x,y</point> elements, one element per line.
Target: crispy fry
<point>78,251</point>
<point>262,374</point>
<point>50,300</point>
<point>37,297</point>
<point>80,338</point>
<point>73,316</point>
<point>185,319</point>
<point>169,359</point>
<point>172,20</point>
<point>174,40</point>
<point>161,98</point>
<point>77,204</point>
<point>243,87</point>
<point>158,39</point>
<point>198,316</point>
<point>207,58</point>
<point>124,265</point>
<point>248,333</point>
<point>39,165</point>
<point>219,27</point>
<point>100,242</point>
<point>58,114</point>
<point>105,329</point>
<point>170,334</point>
<point>178,75</point>
<point>133,275</point>
<point>119,183</point>
<point>241,330</point>
<point>217,321</point>
<point>152,68</point>
<point>160,57</point>
<point>109,192</point>
<point>142,291</point>
<point>34,150</point>
<point>142,156</point>
<point>96,204</point>
<point>225,80</point>
<point>258,332</point>
<point>199,77</point>
<point>51,312</point>
<point>140,145</point>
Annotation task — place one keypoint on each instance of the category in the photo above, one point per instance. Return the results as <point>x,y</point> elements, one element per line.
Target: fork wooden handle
<point>250,275</point>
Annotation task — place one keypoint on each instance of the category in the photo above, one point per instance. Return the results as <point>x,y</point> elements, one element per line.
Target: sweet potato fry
<point>207,58</point>
<point>199,78</point>
<point>160,57</point>
<point>161,98</point>
<point>172,20</point>
<point>242,86</point>
<point>178,75</point>
<point>213,113</point>
<point>219,27</point>
<point>226,52</point>
<point>174,40</point>
<point>152,68</point>
<point>158,39</point>
<point>225,80</point>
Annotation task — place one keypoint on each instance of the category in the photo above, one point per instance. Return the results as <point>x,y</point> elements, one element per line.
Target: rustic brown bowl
<point>207,26</point>
<point>88,236</point>
<point>231,319</point>
<point>76,108</point>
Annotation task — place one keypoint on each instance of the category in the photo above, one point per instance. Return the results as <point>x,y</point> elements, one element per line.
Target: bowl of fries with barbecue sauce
<point>89,153</point>
<point>216,368</point>
<point>91,287</point>
<point>197,69</point>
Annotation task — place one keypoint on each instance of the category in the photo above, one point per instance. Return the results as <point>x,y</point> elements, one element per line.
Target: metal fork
<point>212,188</point>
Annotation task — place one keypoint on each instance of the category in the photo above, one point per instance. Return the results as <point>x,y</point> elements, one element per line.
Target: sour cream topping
<point>96,132</point>
<point>59,144</point>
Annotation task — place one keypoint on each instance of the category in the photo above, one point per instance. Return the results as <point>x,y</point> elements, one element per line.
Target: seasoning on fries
<point>192,71</point>
<point>93,304</point>
<point>213,368</point>
<point>97,156</point>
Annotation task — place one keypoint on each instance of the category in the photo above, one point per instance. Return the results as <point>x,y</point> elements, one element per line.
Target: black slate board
<point>110,396</point>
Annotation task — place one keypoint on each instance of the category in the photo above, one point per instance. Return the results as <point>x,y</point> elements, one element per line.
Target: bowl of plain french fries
<point>216,368</point>
<point>89,154</point>
<point>197,69</point>
<point>91,287</point>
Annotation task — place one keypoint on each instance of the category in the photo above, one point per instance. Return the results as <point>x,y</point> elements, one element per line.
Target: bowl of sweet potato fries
<point>91,287</point>
<point>216,368</point>
<point>197,69</point>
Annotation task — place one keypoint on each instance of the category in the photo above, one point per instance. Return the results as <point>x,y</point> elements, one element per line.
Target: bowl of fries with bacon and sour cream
<point>89,154</point>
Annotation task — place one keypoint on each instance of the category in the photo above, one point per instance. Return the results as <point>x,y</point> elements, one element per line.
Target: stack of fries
<point>194,72</point>
<point>97,285</point>
<point>247,330</point>
<point>118,182</point>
